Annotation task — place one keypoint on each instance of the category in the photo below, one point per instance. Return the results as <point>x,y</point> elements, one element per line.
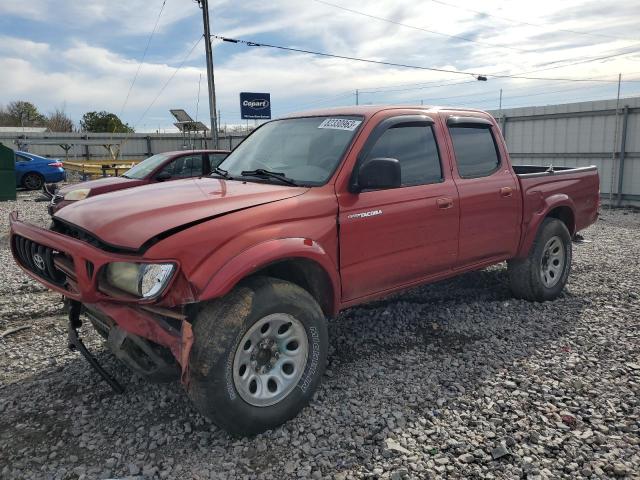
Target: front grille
<point>40,259</point>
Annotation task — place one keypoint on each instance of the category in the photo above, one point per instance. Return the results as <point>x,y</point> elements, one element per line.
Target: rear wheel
<point>258,355</point>
<point>544,273</point>
<point>33,181</point>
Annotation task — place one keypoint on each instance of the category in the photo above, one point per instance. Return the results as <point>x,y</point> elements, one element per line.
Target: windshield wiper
<point>261,172</point>
<point>222,173</point>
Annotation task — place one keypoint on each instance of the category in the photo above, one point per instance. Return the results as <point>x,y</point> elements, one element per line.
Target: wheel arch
<point>297,260</point>
<point>566,215</point>
<point>559,206</point>
<point>31,172</point>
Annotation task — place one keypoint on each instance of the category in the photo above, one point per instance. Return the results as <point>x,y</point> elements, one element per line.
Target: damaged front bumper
<point>73,267</point>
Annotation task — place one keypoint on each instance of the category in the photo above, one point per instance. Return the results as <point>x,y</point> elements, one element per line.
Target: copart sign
<point>255,105</point>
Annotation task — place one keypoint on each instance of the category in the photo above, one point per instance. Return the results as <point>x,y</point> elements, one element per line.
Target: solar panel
<point>181,115</point>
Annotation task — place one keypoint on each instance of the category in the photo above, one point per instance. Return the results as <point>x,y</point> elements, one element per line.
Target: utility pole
<point>357,97</point>
<point>615,141</point>
<point>204,5</point>
<point>500,109</point>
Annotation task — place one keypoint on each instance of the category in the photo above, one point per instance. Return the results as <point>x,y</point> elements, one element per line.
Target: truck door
<point>490,201</point>
<point>393,237</point>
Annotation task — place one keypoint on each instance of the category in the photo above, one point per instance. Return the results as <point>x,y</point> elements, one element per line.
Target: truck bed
<point>528,171</point>
<point>580,185</point>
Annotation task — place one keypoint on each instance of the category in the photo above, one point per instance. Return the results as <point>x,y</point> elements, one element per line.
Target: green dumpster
<point>7,173</point>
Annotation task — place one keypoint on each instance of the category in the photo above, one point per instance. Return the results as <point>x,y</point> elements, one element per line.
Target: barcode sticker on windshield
<point>340,124</point>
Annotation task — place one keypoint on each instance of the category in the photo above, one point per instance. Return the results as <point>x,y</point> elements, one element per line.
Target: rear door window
<point>476,151</point>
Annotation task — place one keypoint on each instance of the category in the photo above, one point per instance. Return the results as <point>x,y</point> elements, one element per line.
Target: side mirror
<point>162,176</point>
<point>377,174</point>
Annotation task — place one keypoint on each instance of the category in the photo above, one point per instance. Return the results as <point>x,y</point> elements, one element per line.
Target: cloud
<point>22,48</point>
<point>90,64</point>
<point>121,16</point>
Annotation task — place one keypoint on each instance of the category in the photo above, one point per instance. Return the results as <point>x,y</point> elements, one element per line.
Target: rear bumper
<point>53,177</point>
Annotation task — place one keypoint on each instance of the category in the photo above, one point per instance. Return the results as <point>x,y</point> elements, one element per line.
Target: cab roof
<point>368,111</point>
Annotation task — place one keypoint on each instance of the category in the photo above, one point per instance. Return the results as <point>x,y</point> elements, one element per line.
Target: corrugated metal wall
<point>134,146</point>
<point>579,134</point>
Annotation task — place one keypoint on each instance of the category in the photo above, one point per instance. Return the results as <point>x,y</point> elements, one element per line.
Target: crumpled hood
<point>128,218</point>
<point>100,185</point>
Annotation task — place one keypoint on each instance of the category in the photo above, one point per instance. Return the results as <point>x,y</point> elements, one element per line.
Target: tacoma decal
<point>371,213</point>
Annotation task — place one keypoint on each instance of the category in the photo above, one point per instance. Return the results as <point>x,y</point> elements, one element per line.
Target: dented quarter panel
<point>542,194</point>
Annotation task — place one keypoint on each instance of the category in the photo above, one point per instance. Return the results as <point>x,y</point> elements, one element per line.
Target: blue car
<point>33,171</point>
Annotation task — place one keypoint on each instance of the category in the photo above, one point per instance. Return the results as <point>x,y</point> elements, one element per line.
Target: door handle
<point>444,203</point>
<point>506,191</point>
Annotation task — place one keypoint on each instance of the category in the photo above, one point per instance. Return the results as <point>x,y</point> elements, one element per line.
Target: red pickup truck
<point>227,280</point>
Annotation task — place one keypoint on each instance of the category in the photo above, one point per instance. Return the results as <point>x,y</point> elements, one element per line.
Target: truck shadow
<point>414,351</point>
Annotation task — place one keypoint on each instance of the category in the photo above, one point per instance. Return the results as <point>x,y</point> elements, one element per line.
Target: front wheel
<point>544,273</point>
<point>258,355</point>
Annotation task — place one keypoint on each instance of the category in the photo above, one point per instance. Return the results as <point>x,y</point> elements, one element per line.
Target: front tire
<point>258,355</point>
<point>544,273</point>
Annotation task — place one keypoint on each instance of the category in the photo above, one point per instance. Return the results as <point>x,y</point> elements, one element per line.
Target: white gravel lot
<point>453,380</point>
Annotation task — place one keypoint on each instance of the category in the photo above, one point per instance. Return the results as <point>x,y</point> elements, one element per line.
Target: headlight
<point>144,280</point>
<point>78,194</point>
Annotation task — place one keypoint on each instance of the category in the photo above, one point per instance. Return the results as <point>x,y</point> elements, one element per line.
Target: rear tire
<point>32,181</point>
<point>544,273</point>
<point>258,355</point>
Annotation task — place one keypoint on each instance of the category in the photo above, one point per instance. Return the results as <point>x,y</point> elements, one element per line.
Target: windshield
<point>146,166</point>
<point>305,150</point>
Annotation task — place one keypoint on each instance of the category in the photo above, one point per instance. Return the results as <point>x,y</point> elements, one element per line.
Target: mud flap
<point>76,344</point>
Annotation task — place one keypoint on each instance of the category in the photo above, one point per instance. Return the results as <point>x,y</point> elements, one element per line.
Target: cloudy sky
<point>83,55</point>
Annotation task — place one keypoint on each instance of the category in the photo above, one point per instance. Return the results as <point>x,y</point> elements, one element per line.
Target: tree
<point>58,121</point>
<point>22,114</point>
<point>103,122</point>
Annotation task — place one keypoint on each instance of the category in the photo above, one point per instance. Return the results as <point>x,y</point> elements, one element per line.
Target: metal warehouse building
<point>578,135</point>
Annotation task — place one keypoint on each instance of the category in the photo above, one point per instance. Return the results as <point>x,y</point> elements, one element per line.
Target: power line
<point>455,36</point>
<point>510,97</point>
<point>144,55</point>
<point>567,100</point>
<point>418,67</point>
<point>417,88</point>
<point>588,60</point>
<point>425,85</point>
<point>394,22</point>
<point>184,59</point>
<point>531,24</point>
<point>343,57</point>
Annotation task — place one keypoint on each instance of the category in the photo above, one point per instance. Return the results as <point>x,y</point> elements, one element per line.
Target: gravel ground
<point>454,380</point>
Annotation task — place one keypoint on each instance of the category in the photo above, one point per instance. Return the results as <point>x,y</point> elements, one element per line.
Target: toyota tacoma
<point>226,281</point>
